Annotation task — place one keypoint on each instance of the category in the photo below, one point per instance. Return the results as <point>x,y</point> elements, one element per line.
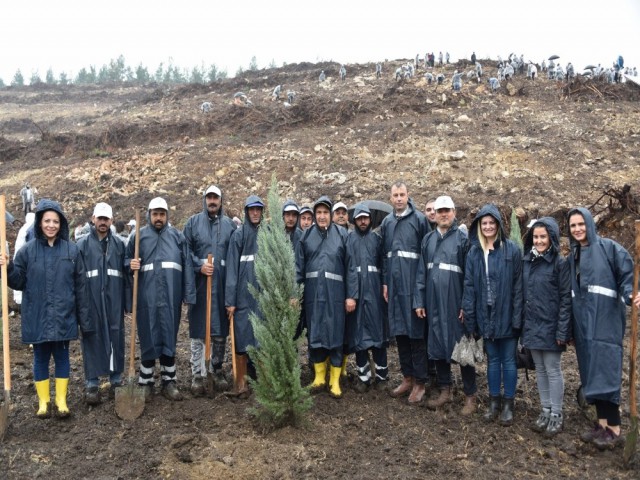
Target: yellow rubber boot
<point>44,398</point>
<point>343,369</point>
<point>334,382</point>
<point>320,380</point>
<point>61,397</point>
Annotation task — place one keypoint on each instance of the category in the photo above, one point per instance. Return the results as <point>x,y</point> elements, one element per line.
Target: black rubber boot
<point>494,409</point>
<point>506,417</point>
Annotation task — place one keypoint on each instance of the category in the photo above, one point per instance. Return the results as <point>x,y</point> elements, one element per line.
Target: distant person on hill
<point>440,59</point>
<point>28,196</point>
<point>456,81</point>
<point>205,107</point>
<point>494,84</point>
<point>478,71</point>
<point>343,73</point>
<point>570,71</point>
<point>322,77</point>
<point>276,93</point>
<point>473,58</point>
<point>429,77</point>
<point>241,100</point>
<point>399,74</point>
<point>543,66</point>
<point>291,96</point>
<point>447,58</point>
<point>440,78</point>
<point>508,72</point>
<point>121,232</point>
<point>378,70</point>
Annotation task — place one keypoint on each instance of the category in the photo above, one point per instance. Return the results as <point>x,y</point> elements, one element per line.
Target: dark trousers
<point>468,373</point>
<point>42,353</point>
<point>413,357</point>
<point>379,359</point>
<point>167,370</point>
<point>319,355</point>
<point>609,411</point>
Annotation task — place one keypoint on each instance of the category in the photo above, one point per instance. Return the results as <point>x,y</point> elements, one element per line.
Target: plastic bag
<point>464,351</point>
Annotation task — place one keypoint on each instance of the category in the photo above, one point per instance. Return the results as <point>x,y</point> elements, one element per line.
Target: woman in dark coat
<point>547,317</point>
<point>492,305</point>
<point>601,284</point>
<point>51,274</point>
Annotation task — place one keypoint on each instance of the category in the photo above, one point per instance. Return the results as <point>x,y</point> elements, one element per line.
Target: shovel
<point>207,335</point>
<point>4,410</point>
<point>130,398</point>
<point>239,366</point>
<point>632,436</point>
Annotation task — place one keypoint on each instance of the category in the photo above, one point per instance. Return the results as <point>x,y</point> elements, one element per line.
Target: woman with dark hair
<point>52,277</point>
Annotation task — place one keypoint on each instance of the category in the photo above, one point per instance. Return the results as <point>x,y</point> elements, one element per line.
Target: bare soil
<point>541,147</point>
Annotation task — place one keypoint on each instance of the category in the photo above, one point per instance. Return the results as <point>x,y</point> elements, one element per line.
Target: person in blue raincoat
<point>402,232</point>
<point>290,216</point>
<point>209,232</point>
<point>546,330</point>
<point>241,273</point>
<point>367,327</point>
<point>165,281</point>
<point>51,274</point>
<point>492,305</point>
<point>438,300</point>
<point>330,291</point>
<point>103,256</point>
<point>601,285</point>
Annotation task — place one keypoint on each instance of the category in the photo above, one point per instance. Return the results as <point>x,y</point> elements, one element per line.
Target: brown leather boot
<point>469,405</point>
<point>444,397</point>
<point>417,394</point>
<point>403,389</point>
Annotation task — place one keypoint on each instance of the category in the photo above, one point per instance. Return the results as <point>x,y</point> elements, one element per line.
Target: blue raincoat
<point>241,273</point>
<point>165,280</point>
<point>599,294</point>
<point>439,285</point>
<point>103,352</point>
<point>502,288</point>
<point>53,283</point>
<point>206,235</point>
<point>401,239</point>
<point>367,326</point>
<point>546,293</point>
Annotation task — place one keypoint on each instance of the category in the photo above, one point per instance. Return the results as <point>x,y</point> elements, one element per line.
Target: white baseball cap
<point>213,189</point>
<point>158,202</point>
<point>443,202</point>
<point>337,206</point>
<point>132,223</point>
<point>102,210</point>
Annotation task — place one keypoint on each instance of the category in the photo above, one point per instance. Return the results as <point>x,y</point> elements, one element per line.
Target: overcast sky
<point>66,35</point>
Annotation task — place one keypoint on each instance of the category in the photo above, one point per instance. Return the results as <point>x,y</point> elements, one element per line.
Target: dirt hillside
<point>539,146</point>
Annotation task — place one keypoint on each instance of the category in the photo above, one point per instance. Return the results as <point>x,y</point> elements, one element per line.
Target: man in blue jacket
<point>402,232</point>
<point>103,352</point>
<point>166,280</point>
<point>241,273</point>
<point>209,232</point>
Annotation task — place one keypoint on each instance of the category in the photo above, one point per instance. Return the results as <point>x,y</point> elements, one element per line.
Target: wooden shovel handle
<point>5,299</point>
<point>633,407</point>
<point>134,306</point>
<point>207,335</point>
<point>234,360</point>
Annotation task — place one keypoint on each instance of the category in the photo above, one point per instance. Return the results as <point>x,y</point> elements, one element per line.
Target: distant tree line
<point>118,72</point>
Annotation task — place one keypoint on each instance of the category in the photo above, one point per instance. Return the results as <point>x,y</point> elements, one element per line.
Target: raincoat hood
<point>488,209</point>
<point>357,210</point>
<point>323,200</point>
<point>552,229</point>
<point>592,235</point>
<point>45,205</point>
<point>251,200</point>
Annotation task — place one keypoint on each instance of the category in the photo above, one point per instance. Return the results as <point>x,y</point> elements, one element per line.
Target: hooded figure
<point>51,274</point>
<point>601,286</point>
<point>243,249</point>
<point>367,326</point>
<point>209,234</point>
<point>166,280</point>
<point>492,305</point>
<point>295,232</point>
<point>103,353</point>
<point>547,317</point>
<point>329,279</point>
<point>547,292</point>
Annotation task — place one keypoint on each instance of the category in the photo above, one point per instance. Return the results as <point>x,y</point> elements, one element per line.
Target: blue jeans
<point>42,353</point>
<point>501,366</point>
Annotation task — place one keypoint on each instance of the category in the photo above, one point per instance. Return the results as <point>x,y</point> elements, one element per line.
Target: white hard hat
<point>158,202</point>
<point>103,210</point>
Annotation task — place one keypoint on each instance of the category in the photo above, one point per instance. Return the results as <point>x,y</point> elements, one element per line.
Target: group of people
<point>420,278</point>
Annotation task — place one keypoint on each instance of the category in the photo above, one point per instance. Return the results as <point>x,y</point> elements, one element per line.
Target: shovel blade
<point>4,417</point>
<point>631,441</point>
<point>129,402</point>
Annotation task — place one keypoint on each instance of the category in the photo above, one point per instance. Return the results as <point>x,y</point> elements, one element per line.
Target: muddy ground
<point>541,147</point>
